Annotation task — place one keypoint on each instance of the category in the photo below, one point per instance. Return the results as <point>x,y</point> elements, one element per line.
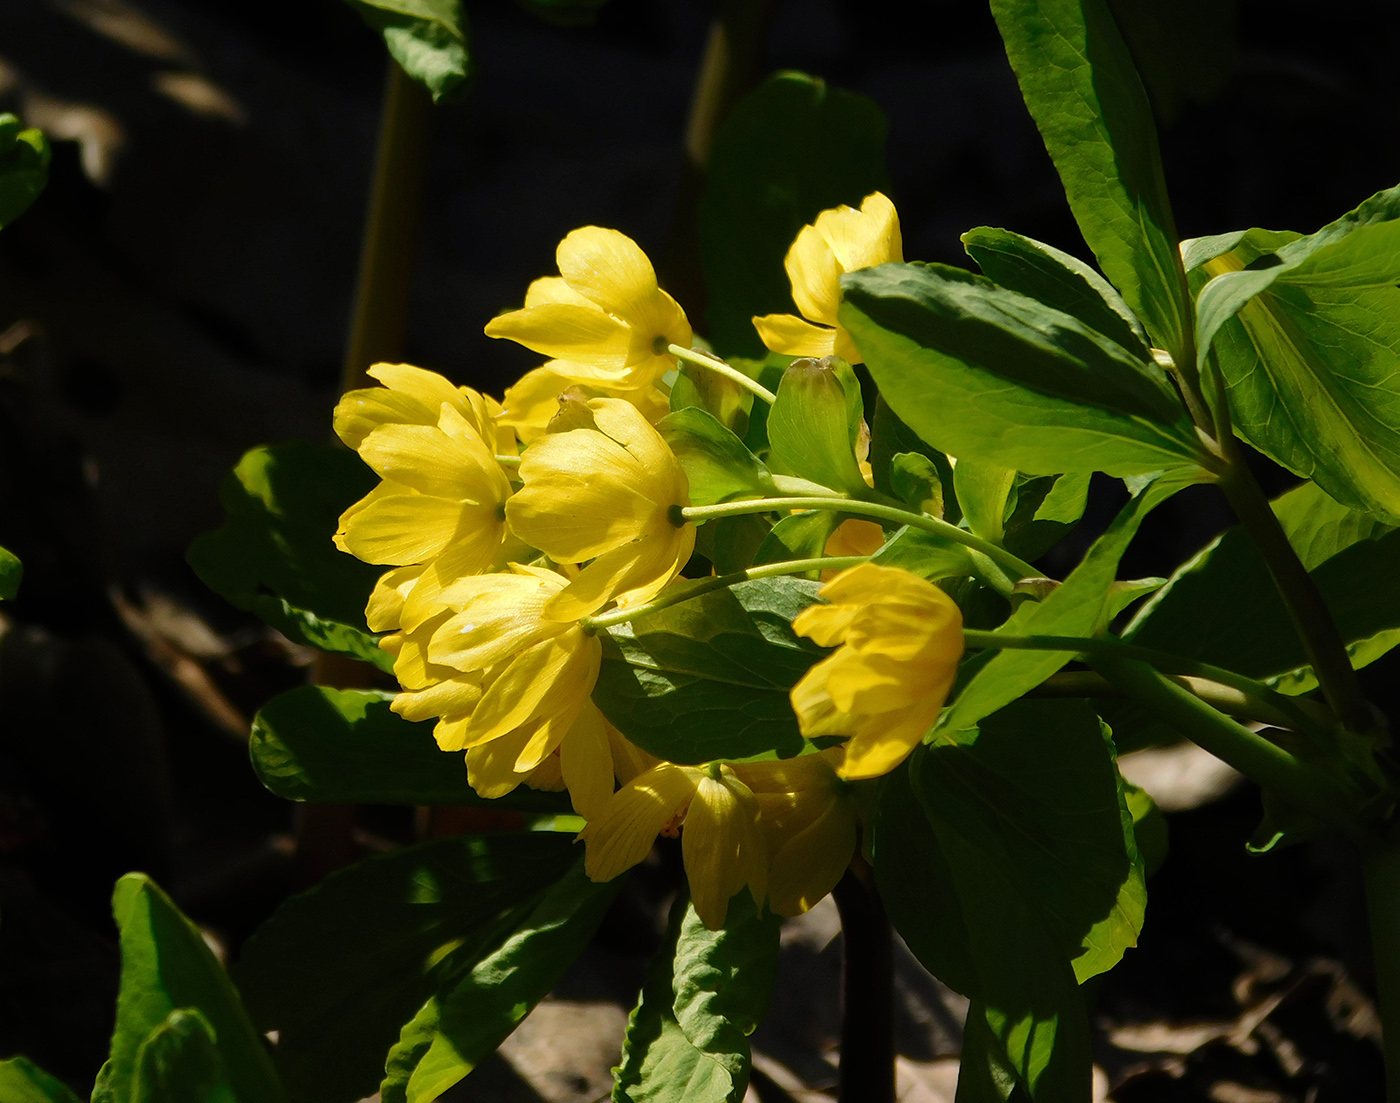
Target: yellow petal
<point>499,615</point>
<point>825,625</point>
<point>585,757</point>
<point>864,238</point>
<point>809,863</point>
<point>555,676</point>
<point>565,331</point>
<point>791,336</point>
<point>722,847</point>
<point>623,833</point>
<point>815,275</point>
<point>607,268</point>
<point>555,289</point>
<point>855,537</point>
<point>879,749</point>
<point>629,760</point>
<point>450,699</point>
<point>636,571</point>
<point>386,600</point>
<point>402,528</point>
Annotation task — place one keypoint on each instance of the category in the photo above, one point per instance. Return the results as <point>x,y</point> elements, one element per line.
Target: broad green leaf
<point>346,746</point>
<point>428,38</point>
<point>814,424</point>
<point>890,437</point>
<point>1043,510</point>
<point>730,543</point>
<point>480,1003</point>
<point>22,1081</point>
<point>24,168</point>
<point>984,373</point>
<point>687,1038</point>
<point>179,1062</point>
<point>789,150</point>
<point>1057,279</point>
<point>983,1073</point>
<point>1221,607</point>
<point>273,555</point>
<point>926,555</point>
<point>800,535</point>
<point>708,679</point>
<point>717,465</point>
<point>983,489</point>
<point>167,966</point>
<point>1149,827</point>
<point>917,482</point>
<point>1078,81</point>
<point>11,573</point>
<point>340,968</point>
<point>1078,607</point>
<point>1308,341</point>
<point>721,398</point>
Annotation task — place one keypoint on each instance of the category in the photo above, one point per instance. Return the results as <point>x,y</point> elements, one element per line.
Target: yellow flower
<point>853,537</point>
<point>530,405</point>
<point>439,512</point>
<point>900,641</point>
<point>603,313</point>
<point>808,816</point>
<point>508,684</point>
<point>841,240</point>
<point>607,493</point>
<point>721,844</point>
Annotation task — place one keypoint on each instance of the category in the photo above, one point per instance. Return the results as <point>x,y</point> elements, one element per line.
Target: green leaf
<point>1308,341</point>
<point>1078,607</point>
<point>1222,608</point>
<point>926,555</point>
<point>428,38</point>
<point>167,966</point>
<point>481,1002</point>
<point>789,150</point>
<point>800,535</point>
<point>1057,279</point>
<point>273,555</point>
<point>11,573</point>
<point>706,991</point>
<point>984,373</point>
<point>814,424</point>
<point>708,679</point>
<point>346,746</point>
<point>720,397</point>
<point>768,371</point>
<point>22,1081</point>
<point>983,489</point>
<point>338,970</point>
<point>1078,81</point>
<point>179,1063</point>
<point>1149,827</point>
<point>24,168</point>
<point>730,543</point>
<point>717,465</point>
<point>1043,510</point>
<point>890,437</point>
<point>917,482</point>
<point>984,1076</point>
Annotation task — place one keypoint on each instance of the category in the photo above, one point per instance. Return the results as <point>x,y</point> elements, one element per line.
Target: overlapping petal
<point>900,641</point>
<point>840,240</point>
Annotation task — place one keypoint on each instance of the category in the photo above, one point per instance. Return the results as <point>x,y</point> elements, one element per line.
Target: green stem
<point>387,252</point>
<point>1312,620</point>
<point>719,367</point>
<point>1298,783</point>
<point>508,461</point>
<point>1380,866</point>
<point>1280,705</point>
<point>1227,699</point>
<point>1018,568</point>
<point>677,594</point>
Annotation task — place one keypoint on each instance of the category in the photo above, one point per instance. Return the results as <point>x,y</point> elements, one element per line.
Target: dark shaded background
<point>181,292</point>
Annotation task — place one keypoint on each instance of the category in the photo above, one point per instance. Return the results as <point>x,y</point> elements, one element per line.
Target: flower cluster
<point>506,526</point>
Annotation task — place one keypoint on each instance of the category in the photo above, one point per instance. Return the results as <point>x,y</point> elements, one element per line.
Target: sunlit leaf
<point>428,38</point>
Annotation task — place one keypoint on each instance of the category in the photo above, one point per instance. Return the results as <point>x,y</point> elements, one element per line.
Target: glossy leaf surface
<point>428,38</point>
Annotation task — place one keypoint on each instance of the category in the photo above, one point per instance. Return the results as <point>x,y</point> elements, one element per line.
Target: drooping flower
<point>604,313</point>
<point>608,491</point>
<point>508,685</point>
<point>721,843</point>
<point>533,401</point>
<point>438,512</point>
<point>900,640</point>
<point>808,817</point>
<point>841,239</point>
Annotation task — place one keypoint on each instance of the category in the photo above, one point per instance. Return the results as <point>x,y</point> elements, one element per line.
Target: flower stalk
<point>719,367</point>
